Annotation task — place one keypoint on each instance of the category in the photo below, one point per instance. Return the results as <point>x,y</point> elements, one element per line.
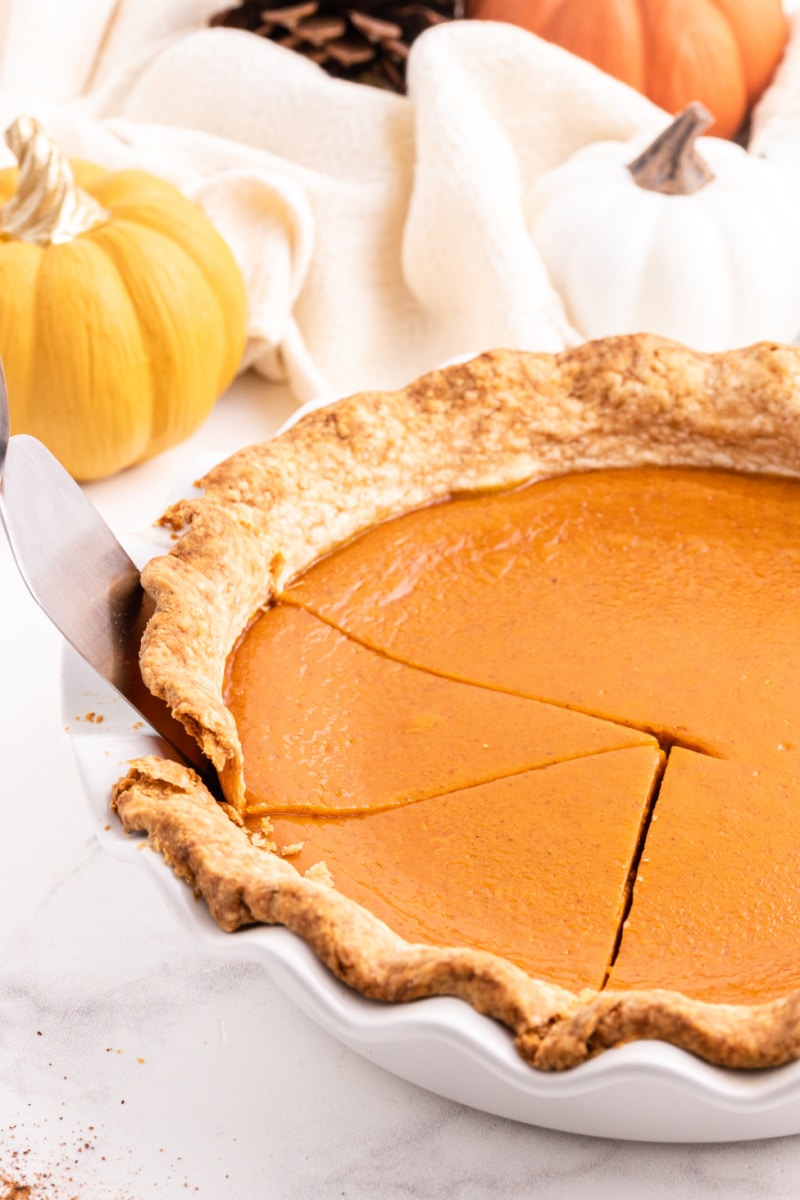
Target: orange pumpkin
<point>720,52</point>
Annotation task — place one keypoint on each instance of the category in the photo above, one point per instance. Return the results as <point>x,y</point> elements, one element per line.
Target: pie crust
<point>271,510</point>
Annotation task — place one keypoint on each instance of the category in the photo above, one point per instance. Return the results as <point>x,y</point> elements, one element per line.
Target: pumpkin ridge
<point>86,448</point>
<point>152,389</point>
<point>134,196</point>
<point>761,45</point>
<point>147,342</point>
<point>621,55</point>
<point>701,64</point>
<point>228,314</point>
<point>740,58</point>
<point>185,355</point>
<point>8,186</point>
<point>88,176</point>
<point>641,48</point>
<point>19,367</point>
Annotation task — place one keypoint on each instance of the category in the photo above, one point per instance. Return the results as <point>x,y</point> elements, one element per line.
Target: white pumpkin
<point>702,249</point>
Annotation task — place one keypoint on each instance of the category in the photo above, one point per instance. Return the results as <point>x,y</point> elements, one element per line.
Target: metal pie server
<point>80,575</point>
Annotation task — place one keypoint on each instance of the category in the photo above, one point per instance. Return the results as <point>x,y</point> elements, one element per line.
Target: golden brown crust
<point>553,1028</point>
<point>243,885</point>
<point>271,510</point>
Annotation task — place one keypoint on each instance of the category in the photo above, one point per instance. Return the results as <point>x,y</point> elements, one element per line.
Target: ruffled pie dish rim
<point>500,419</point>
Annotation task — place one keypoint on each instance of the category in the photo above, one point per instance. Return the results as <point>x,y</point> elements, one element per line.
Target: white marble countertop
<point>133,1065</point>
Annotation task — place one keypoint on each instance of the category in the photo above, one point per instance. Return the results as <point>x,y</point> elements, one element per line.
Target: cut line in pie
<point>617,595</point>
<point>351,730</point>
<point>716,913</point>
<point>484,866</point>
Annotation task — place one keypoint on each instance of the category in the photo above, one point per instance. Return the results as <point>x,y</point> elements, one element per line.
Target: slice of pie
<point>498,865</point>
<point>431,640</point>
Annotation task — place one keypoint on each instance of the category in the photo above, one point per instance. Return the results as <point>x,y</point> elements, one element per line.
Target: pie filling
<point>485,867</point>
<point>475,705</point>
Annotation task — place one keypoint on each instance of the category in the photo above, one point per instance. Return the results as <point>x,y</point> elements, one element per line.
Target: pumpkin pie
<point>442,643</point>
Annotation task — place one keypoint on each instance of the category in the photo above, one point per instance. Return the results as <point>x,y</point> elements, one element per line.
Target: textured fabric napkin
<point>378,235</point>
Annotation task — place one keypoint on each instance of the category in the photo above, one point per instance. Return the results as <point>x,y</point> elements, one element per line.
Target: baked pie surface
<point>352,731</point>
<point>622,570</point>
<point>266,515</point>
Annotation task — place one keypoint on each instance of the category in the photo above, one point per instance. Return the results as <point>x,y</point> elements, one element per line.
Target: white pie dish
<point>644,1091</point>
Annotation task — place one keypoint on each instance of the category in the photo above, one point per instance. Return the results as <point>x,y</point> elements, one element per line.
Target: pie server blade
<point>80,575</point>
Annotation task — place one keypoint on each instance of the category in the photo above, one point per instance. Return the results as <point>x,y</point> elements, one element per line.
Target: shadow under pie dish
<point>624,514</point>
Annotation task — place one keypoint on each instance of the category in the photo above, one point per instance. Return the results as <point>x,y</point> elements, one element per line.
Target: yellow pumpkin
<point>122,311</point>
<point>720,52</point>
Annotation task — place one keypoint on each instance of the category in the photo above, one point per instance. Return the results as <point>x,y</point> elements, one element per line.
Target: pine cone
<point>366,41</point>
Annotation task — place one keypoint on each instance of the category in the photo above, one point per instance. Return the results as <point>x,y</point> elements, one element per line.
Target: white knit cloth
<point>378,235</point>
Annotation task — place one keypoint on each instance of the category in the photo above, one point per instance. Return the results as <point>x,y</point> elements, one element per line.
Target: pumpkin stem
<point>48,206</point>
<point>671,164</point>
